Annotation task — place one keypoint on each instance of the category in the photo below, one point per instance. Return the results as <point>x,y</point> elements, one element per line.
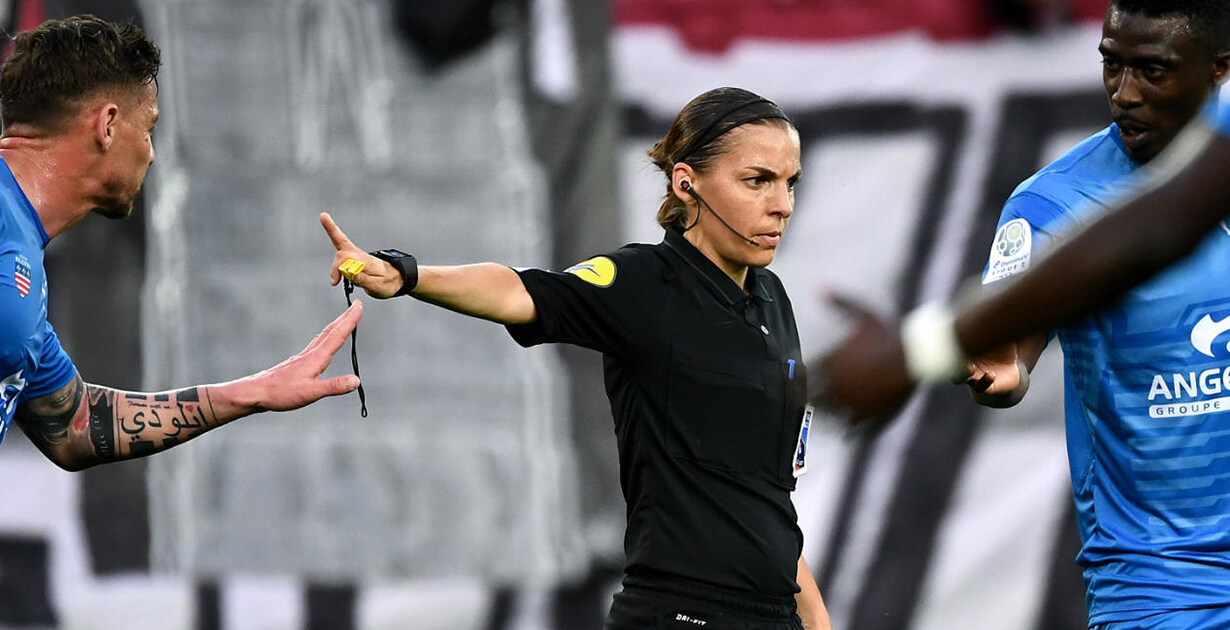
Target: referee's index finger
<point>335,233</point>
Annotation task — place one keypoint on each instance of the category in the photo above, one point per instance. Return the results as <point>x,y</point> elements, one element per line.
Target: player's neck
<point>52,178</point>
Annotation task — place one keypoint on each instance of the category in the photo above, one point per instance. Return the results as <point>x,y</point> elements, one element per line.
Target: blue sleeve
<point>1027,226</point>
<point>55,368</point>
<point>32,362</point>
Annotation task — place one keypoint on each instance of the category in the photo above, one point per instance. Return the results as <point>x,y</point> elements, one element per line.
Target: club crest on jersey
<point>598,271</point>
<point>1010,251</point>
<point>21,275</point>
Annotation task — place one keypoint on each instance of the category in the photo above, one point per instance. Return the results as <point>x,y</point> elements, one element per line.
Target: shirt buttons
<point>763,329</point>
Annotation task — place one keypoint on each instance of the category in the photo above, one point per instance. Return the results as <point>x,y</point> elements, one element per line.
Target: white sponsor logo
<point>1206,331</point>
<point>1198,408</point>
<point>1181,391</point>
<point>1010,251</point>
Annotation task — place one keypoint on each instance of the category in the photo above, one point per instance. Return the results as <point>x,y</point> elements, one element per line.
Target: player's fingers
<point>316,389</point>
<point>339,238</point>
<point>981,381</point>
<point>344,324</point>
<point>850,306</point>
<point>334,335</point>
<point>338,385</point>
<point>822,385</point>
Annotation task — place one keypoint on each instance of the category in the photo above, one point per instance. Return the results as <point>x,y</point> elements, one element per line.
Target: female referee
<point>703,370</point>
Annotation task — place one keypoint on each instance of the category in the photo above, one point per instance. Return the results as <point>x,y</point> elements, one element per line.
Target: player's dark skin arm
<point>81,424</point>
<point>1120,251</point>
<point>865,375</point>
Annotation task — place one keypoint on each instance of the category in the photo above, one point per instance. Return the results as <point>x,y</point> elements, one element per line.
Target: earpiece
<point>687,188</point>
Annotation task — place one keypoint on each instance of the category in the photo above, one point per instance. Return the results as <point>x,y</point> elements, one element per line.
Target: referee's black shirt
<point>706,386</point>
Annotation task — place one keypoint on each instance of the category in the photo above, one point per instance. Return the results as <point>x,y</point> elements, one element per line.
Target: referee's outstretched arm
<point>486,290</point>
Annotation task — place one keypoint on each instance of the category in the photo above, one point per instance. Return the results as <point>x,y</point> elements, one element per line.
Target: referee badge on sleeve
<point>598,271</point>
<point>800,450</point>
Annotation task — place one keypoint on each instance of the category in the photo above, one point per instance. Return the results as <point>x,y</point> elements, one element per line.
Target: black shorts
<point>673,605</point>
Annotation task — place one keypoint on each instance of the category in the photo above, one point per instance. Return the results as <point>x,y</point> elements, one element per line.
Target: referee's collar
<point>721,283</point>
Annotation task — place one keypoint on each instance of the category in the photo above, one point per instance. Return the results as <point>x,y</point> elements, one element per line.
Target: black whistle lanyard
<point>354,350</point>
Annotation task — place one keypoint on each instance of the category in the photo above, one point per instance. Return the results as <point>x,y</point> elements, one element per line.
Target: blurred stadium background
<point>481,493</point>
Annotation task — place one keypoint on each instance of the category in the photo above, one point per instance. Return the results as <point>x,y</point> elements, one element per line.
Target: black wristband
<point>405,264</point>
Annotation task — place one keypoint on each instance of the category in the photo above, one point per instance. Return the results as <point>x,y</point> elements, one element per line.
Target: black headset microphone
<point>687,188</point>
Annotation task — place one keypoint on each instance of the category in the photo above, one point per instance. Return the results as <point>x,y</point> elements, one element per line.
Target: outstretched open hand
<point>865,375</point>
<point>296,382</point>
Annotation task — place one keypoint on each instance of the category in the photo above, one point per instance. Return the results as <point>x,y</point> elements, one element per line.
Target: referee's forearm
<point>485,290</point>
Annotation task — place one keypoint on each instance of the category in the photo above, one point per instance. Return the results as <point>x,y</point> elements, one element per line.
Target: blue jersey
<point>1147,391</point>
<point>32,363</point>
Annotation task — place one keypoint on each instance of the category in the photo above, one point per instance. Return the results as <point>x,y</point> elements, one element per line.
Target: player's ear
<point>1221,64</point>
<point>104,119</point>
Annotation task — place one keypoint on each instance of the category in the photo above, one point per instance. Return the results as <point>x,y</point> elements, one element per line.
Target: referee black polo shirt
<point>707,389</point>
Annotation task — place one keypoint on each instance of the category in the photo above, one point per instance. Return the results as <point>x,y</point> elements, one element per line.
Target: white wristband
<point>932,354</point>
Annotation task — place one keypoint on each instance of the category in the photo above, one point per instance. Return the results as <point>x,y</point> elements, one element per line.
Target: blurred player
<point>1161,61</point>
<point>1146,377</point>
<point>78,100</point>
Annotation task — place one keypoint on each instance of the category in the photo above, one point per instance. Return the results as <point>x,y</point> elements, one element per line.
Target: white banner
<point>950,520</point>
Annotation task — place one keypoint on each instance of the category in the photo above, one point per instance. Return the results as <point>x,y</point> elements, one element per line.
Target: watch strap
<point>405,264</point>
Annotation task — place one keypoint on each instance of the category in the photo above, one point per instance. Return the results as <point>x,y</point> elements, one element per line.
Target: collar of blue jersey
<point>10,182</point>
<point>721,283</point>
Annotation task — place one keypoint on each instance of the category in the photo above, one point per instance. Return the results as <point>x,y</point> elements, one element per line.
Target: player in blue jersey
<point>1139,375</point>
<point>1147,382</point>
<point>78,101</point>
<point>1161,61</point>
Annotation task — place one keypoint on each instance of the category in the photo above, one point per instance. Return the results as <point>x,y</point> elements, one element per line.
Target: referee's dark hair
<point>697,137</point>
<point>58,64</point>
<point>1210,18</point>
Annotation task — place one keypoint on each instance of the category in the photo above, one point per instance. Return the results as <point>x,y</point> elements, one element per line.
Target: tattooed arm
<point>82,424</point>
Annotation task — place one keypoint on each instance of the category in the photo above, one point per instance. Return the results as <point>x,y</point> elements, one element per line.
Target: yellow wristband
<point>351,268</point>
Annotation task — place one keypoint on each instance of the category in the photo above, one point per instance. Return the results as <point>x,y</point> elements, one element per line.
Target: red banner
<point>712,25</point>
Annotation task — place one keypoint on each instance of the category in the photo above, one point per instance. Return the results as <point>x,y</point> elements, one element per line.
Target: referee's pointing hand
<point>378,277</point>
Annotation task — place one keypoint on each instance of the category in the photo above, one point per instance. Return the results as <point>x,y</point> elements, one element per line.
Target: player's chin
<point>119,209</point>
